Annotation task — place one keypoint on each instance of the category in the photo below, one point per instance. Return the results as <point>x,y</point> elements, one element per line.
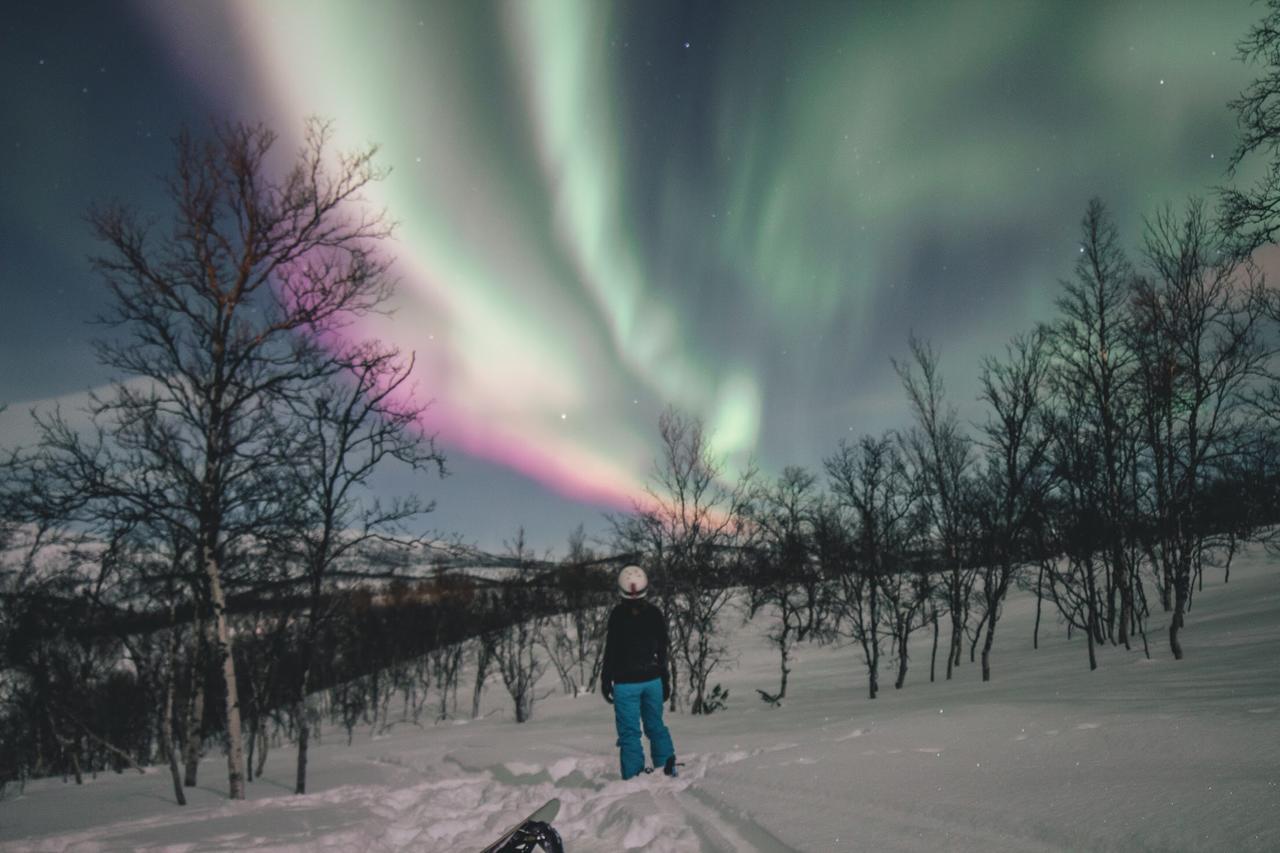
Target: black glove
<point>606,690</point>
<point>666,689</point>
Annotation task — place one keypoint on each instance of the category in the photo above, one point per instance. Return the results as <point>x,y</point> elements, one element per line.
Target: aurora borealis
<point>739,209</point>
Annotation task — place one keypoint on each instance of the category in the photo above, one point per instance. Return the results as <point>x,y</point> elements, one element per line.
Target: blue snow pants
<point>633,703</point>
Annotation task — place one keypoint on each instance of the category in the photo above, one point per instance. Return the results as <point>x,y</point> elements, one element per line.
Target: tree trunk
<point>1175,624</point>
<point>263,745</point>
<point>482,670</point>
<point>973,647</point>
<point>224,651</point>
<point>1093,654</point>
<point>986,646</point>
<point>304,740</point>
<point>902,659</point>
<point>451,686</point>
<point>1035,637</point>
<point>166,722</point>
<point>303,721</point>
<point>253,740</point>
<point>1144,611</point>
<point>875,639</point>
<point>300,711</point>
<point>955,649</point>
<point>671,664</point>
<point>1142,629</point>
<point>166,744</point>
<point>933,660</point>
<point>785,648</point>
<point>1126,602</point>
<point>1107,615</point>
<point>1091,590</point>
<point>195,711</point>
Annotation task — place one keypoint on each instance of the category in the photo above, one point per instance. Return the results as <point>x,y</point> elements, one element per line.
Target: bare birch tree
<point>869,482</point>
<point>516,651</point>
<point>786,579</point>
<point>1013,485</point>
<point>691,530</point>
<point>1094,366</point>
<point>346,427</point>
<point>209,320</point>
<point>1197,334</point>
<point>940,456</point>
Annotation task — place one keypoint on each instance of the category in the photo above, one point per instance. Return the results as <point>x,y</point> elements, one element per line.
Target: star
<point>686,45</point>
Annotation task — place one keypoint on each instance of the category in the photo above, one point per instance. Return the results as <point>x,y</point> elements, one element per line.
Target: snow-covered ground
<point>1140,755</point>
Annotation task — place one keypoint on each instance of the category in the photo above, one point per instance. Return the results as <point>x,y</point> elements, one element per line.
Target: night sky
<point>738,209</point>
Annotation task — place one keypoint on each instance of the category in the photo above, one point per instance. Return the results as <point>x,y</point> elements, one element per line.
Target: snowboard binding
<point>671,768</point>
<point>533,833</point>
<point>531,836</point>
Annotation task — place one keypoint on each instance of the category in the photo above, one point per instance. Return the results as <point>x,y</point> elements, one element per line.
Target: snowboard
<point>531,833</point>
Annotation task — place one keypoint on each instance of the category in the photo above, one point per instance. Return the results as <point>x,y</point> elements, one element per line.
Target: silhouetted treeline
<point>91,687</point>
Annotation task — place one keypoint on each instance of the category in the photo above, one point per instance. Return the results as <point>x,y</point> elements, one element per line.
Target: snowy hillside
<point>1140,755</point>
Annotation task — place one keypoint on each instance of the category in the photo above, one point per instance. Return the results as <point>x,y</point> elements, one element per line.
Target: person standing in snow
<point>635,677</point>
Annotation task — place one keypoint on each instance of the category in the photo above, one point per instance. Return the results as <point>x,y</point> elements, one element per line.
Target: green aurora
<point>738,209</point>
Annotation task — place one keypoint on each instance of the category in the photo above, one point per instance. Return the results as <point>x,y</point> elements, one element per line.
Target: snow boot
<point>670,767</point>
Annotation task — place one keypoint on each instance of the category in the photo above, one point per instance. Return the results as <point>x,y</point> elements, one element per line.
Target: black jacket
<point>635,647</point>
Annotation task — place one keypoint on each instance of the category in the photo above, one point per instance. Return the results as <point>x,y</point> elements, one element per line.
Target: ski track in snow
<point>462,810</point>
<point>648,812</point>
